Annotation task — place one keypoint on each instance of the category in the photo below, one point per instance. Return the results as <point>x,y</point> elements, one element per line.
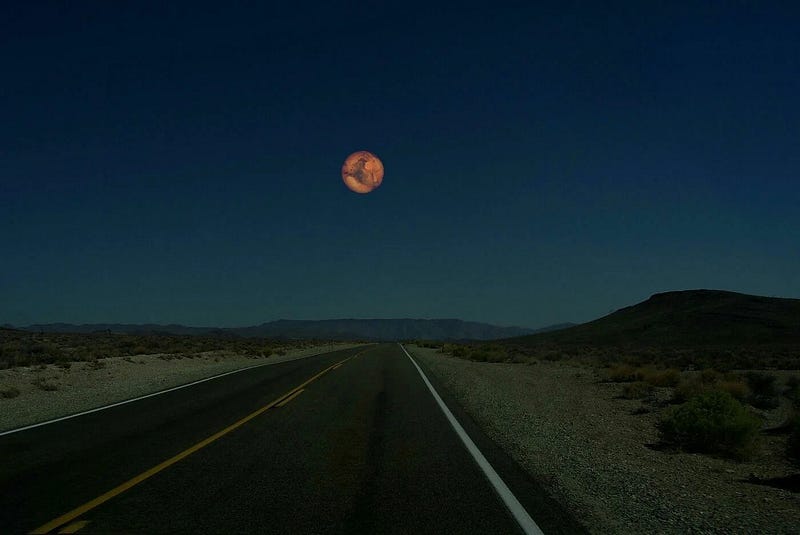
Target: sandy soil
<point>571,431</point>
<point>47,392</point>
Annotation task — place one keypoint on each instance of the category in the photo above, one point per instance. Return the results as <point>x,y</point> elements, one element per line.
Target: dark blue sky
<point>544,163</point>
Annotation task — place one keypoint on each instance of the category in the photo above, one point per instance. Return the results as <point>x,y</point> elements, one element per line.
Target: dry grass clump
<point>637,390</point>
<point>489,354</point>
<point>97,364</point>
<point>710,376</point>
<point>664,378</point>
<point>622,373</point>
<point>43,384</point>
<point>687,389</point>
<point>481,353</point>
<point>736,388</point>
<point>711,380</point>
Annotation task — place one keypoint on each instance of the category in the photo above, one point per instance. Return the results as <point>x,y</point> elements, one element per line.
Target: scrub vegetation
<point>708,410</point>
<point>23,348</point>
<point>711,422</point>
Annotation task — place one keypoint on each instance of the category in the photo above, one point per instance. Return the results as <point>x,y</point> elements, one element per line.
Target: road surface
<point>352,441</point>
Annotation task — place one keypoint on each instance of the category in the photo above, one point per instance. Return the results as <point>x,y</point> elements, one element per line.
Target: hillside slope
<point>691,318</point>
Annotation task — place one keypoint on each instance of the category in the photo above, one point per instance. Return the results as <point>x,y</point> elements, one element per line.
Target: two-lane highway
<point>351,441</point>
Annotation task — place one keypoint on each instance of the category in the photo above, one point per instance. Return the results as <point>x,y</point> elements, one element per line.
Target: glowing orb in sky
<point>362,172</point>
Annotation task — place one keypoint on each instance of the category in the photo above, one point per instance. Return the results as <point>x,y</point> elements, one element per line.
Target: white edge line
<point>124,402</point>
<point>517,510</point>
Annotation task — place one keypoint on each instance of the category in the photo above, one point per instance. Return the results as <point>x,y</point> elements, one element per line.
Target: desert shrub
<point>460,352</point>
<point>737,389</point>
<point>712,422</point>
<point>8,392</point>
<point>763,393</point>
<point>622,374</point>
<point>499,356</point>
<point>480,355</point>
<point>487,354</point>
<point>687,389</point>
<point>669,377</point>
<point>710,376</point>
<point>637,390</point>
<point>793,444</point>
<point>555,356</point>
<point>43,384</point>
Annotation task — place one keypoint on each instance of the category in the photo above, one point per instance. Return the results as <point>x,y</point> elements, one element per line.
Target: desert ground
<point>38,393</point>
<point>567,426</point>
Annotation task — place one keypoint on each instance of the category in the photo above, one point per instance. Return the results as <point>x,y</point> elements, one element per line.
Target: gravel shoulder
<point>572,433</point>
<point>47,392</point>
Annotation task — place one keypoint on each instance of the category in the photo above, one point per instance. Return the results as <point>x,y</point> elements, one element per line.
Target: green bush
<point>712,422</point>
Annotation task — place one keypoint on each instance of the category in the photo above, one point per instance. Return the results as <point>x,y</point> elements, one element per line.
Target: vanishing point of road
<point>359,440</point>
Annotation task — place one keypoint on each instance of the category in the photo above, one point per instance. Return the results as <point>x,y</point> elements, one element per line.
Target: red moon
<point>362,172</point>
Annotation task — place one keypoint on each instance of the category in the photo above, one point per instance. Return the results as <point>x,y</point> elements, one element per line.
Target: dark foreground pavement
<point>363,448</point>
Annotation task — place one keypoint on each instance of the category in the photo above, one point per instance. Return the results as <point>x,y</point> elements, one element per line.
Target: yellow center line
<point>290,398</point>
<point>116,491</point>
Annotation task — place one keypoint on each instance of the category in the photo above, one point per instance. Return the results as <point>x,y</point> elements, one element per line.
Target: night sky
<point>544,163</point>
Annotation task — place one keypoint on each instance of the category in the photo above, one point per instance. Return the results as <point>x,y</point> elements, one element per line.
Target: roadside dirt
<point>594,452</point>
<point>42,393</point>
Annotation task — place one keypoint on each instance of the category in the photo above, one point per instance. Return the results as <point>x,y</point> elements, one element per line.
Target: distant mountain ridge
<point>689,318</point>
<point>335,329</point>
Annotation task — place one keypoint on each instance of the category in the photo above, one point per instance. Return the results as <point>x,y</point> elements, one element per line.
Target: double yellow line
<point>116,491</point>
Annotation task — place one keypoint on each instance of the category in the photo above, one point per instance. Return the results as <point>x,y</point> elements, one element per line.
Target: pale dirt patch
<point>570,431</point>
<point>86,385</point>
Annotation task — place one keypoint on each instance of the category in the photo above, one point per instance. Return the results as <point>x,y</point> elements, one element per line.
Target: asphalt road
<point>299,447</point>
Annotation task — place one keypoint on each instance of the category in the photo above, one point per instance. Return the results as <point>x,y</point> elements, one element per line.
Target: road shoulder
<point>49,392</point>
<point>571,433</point>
